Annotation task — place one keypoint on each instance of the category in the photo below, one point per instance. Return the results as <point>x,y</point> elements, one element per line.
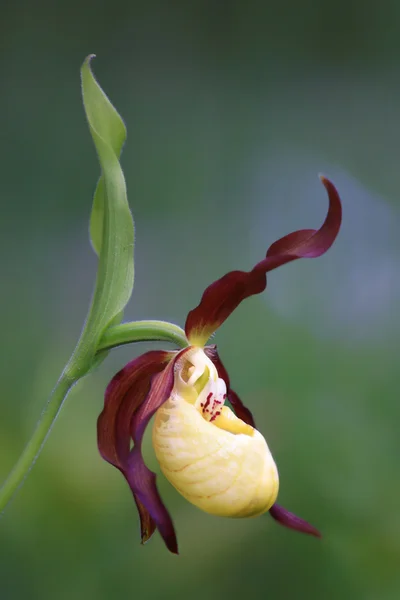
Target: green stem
<point>126,333</point>
<point>143,331</point>
<point>36,443</point>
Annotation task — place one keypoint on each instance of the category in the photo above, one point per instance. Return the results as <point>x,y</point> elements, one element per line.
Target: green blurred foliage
<point>232,109</point>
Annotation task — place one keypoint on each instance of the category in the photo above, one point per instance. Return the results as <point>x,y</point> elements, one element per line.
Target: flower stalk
<point>143,331</point>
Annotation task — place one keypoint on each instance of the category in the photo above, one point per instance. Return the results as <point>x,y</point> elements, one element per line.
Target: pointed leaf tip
<point>106,125</point>
<point>88,60</point>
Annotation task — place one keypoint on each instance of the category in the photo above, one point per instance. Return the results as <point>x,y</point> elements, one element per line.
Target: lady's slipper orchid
<point>213,456</point>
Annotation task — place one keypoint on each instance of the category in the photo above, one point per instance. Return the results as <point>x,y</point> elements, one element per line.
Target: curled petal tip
<point>329,186</point>
<point>170,542</point>
<point>172,546</point>
<point>290,520</point>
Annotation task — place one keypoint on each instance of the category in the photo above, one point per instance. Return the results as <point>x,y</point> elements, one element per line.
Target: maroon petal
<point>124,394</point>
<point>239,408</point>
<point>141,480</point>
<point>288,519</point>
<point>222,297</point>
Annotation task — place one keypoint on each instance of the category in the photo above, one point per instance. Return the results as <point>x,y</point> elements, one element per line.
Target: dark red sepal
<point>239,408</point>
<point>124,394</point>
<point>141,480</point>
<point>290,520</point>
<point>222,297</point>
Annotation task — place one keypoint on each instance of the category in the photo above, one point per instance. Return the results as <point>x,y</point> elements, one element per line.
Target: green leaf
<point>105,120</point>
<point>111,228</point>
<point>97,216</point>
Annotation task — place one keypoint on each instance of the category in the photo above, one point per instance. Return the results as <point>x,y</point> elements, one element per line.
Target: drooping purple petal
<point>239,408</point>
<point>124,394</point>
<point>222,297</point>
<point>141,480</point>
<point>288,519</point>
<point>143,484</point>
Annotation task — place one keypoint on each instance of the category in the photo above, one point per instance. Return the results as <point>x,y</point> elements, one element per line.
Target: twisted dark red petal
<point>124,394</point>
<point>141,480</point>
<point>222,297</point>
<point>288,519</point>
<point>239,408</point>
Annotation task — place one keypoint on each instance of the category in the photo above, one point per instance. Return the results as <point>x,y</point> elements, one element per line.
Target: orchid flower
<point>212,454</point>
<point>204,437</point>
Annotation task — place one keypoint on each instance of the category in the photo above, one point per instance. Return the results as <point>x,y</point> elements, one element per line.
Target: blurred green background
<point>232,109</point>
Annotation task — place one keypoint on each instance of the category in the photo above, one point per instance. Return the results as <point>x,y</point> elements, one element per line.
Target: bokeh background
<point>232,110</point>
